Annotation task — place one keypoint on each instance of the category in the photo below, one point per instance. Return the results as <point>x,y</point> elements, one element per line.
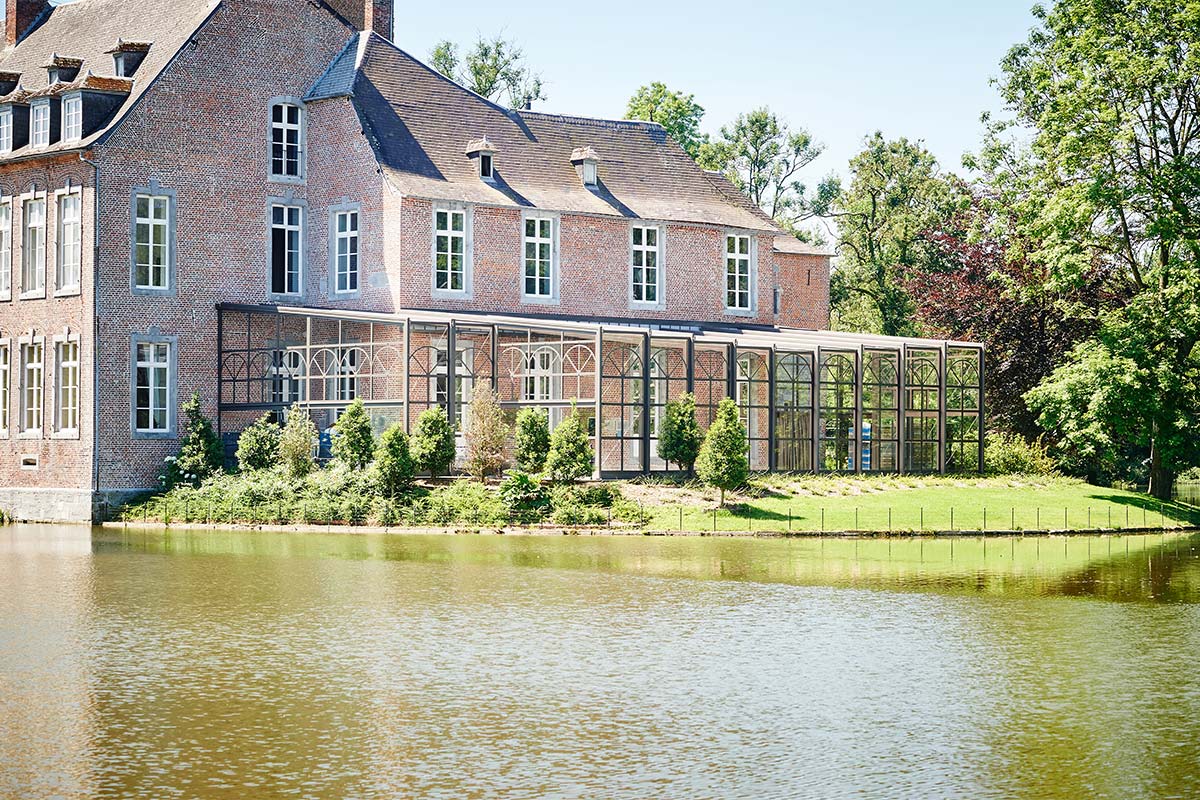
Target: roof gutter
<point>83,156</point>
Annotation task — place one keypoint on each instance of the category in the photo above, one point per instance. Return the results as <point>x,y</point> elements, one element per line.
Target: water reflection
<point>178,664</point>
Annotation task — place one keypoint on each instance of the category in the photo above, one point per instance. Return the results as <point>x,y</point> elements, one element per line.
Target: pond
<point>237,664</point>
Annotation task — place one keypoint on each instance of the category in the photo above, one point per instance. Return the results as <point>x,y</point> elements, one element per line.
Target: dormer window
<point>586,160</point>
<point>63,70</point>
<point>128,56</point>
<point>39,123</point>
<point>484,155</point>
<point>6,129</point>
<point>72,117</point>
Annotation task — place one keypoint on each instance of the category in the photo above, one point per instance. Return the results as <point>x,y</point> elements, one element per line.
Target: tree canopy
<point>677,112</point>
<point>495,68</point>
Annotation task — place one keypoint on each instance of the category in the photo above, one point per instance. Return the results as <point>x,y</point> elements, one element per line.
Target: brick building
<point>267,202</point>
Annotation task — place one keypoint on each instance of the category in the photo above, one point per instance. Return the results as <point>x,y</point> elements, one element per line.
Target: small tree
<point>679,436</point>
<point>433,442</point>
<point>394,460</point>
<point>353,439</point>
<point>297,442</point>
<point>201,453</point>
<point>258,446</point>
<point>571,456</point>
<point>532,439</point>
<point>486,433</point>
<point>722,461</point>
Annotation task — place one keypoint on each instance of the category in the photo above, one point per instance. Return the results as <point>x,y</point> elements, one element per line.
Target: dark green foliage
<point>432,443</point>
<point>571,456</point>
<point>297,442</point>
<point>1007,454</point>
<point>353,439</point>
<point>467,502</point>
<point>201,454</point>
<point>258,446</point>
<point>678,113</point>
<point>532,439</point>
<point>394,462</point>
<point>723,462</point>
<point>679,435</point>
<point>522,495</point>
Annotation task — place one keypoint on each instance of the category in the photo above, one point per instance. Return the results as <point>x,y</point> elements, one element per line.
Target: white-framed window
<point>66,386</point>
<point>450,250</point>
<point>345,237</point>
<point>4,373</point>
<point>287,377</point>
<point>6,130</point>
<point>39,123</point>
<point>739,288</point>
<point>151,242</point>
<point>541,370</point>
<point>287,152</point>
<point>152,387</point>
<point>70,241</point>
<point>347,374</point>
<point>6,250</point>
<point>33,255</point>
<point>72,118</point>
<point>539,258</point>
<point>646,263</point>
<point>31,386</point>
<point>287,254</point>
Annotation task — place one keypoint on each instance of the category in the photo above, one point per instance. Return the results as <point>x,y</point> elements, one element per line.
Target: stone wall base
<point>47,505</point>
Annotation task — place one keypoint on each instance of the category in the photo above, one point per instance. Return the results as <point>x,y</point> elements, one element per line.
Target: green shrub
<point>679,436</point>
<point>596,494</point>
<point>578,515</point>
<point>432,443</point>
<point>624,510</point>
<point>258,445</point>
<point>571,456</point>
<point>532,439</point>
<point>522,495</point>
<point>467,502</point>
<point>486,433</point>
<point>1006,454</point>
<point>723,462</point>
<point>394,462</point>
<point>353,439</point>
<point>201,453</point>
<point>297,442</point>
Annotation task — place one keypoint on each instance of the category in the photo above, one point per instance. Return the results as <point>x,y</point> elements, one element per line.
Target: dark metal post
<point>646,408</point>
<point>451,372</point>
<point>771,448</point>
<point>220,363</point>
<point>690,348</point>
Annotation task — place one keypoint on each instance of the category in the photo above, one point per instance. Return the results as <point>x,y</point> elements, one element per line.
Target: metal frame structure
<point>620,374</point>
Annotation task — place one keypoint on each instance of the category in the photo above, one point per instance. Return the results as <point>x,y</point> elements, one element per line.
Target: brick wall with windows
<point>202,136</point>
<point>57,456</point>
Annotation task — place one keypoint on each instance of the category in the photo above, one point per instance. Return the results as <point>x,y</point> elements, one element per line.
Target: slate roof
<point>89,30</point>
<point>420,124</point>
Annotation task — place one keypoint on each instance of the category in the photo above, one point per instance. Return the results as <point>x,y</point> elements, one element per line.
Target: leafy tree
<point>201,453</point>
<point>679,435</point>
<point>762,156</point>
<point>896,195</point>
<point>677,112</point>
<point>432,444</point>
<point>571,456</point>
<point>979,287</point>
<point>532,439</point>
<point>353,439</point>
<point>297,442</point>
<point>394,461</point>
<point>494,68</point>
<point>258,446</point>
<point>1112,91</point>
<point>486,433</point>
<point>723,460</point>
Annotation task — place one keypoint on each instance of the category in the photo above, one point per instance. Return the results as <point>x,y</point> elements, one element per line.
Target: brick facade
<point>200,133</point>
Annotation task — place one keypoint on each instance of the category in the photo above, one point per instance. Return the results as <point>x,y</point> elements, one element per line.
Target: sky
<point>918,68</point>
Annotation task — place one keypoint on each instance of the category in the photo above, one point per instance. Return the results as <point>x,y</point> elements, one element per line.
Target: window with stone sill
<point>31,387</point>
<point>33,255</point>
<point>67,387</point>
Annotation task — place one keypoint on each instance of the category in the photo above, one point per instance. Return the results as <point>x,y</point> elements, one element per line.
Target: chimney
<point>19,18</point>
<point>367,15</point>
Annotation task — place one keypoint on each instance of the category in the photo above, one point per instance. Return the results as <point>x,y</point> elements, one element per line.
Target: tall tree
<point>763,156</point>
<point>677,112</point>
<point>895,196</point>
<point>1111,89</point>
<point>494,68</point>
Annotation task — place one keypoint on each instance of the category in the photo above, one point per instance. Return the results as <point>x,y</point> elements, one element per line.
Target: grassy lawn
<point>906,503</point>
